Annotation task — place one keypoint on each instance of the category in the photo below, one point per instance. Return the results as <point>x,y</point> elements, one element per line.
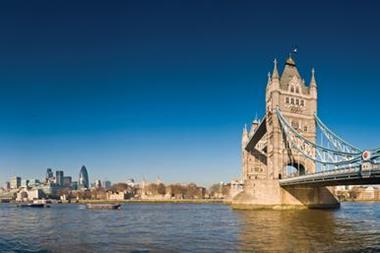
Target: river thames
<point>355,227</point>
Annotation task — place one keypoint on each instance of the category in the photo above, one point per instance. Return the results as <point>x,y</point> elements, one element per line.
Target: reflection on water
<point>304,230</point>
<point>354,227</point>
<point>189,228</point>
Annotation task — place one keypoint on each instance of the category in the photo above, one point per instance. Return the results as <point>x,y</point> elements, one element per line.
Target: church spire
<point>275,74</point>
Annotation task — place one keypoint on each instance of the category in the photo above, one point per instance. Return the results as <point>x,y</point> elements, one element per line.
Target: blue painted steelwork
<point>338,142</point>
<point>342,164</point>
<point>313,151</point>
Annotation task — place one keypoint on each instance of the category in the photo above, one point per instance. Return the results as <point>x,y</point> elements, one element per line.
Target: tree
<point>220,190</point>
<point>120,187</point>
<point>161,189</point>
<point>226,189</point>
<point>215,188</point>
<point>64,191</point>
<point>178,190</point>
<point>192,191</point>
<point>99,193</point>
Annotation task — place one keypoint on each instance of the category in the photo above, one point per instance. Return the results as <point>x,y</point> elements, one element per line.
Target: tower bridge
<point>290,157</point>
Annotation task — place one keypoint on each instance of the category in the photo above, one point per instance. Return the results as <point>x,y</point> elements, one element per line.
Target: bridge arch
<point>293,168</point>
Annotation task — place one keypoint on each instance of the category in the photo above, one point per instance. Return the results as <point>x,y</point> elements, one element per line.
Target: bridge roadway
<point>342,176</point>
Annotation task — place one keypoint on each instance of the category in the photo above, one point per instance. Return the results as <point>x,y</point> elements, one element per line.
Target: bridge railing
<point>348,172</point>
<point>351,169</point>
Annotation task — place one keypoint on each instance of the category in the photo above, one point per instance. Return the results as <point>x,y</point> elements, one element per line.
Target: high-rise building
<point>7,186</point>
<point>83,181</point>
<point>98,184</point>
<point>15,182</point>
<point>74,185</point>
<point>49,175</point>
<point>33,182</point>
<point>131,182</point>
<point>24,183</point>
<point>59,177</point>
<point>107,184</point>
<point>67,181</point>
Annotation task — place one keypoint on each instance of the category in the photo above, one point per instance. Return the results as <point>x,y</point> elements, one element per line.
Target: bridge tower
<point>298,103</point>
<point>267,157</point>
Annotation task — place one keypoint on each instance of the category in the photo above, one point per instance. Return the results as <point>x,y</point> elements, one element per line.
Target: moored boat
<point>35,205</point>
<point>103,206</point>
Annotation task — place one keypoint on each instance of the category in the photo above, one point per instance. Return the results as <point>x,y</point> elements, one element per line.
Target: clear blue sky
<point>163,88</point>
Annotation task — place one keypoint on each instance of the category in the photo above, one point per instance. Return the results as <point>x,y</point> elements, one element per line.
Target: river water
<point>355,227</point>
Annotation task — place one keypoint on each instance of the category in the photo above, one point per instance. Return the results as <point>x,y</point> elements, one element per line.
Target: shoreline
<point>186,201</point>
<point>360,200</point>
<point>145,201</point>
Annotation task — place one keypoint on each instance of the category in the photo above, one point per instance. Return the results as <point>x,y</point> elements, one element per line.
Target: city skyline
<point>168,94</point>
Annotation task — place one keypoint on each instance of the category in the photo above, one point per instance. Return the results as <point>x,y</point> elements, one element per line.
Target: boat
<point>103,206</point>
<point>34,205</point>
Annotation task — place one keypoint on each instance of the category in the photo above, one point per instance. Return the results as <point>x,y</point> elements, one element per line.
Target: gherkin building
<point>83,178</point>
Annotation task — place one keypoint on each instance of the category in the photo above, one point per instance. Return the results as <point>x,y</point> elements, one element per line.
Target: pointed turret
<point>275,80</point>
<point>254,126</point>
<point>313,85</point>
<point>290,71</point>
<point>290,61</point>
<point>312,80</point>
<point>275,74</point>
<point>269,80</point>
<point>244,137</point>
<point>245,130</point>
<point>256,120</point>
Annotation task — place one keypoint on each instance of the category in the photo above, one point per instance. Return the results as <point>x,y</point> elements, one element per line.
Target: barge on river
<point>103,206</point>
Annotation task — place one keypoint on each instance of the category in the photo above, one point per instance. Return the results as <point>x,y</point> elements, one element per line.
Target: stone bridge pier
<point>269,194</point>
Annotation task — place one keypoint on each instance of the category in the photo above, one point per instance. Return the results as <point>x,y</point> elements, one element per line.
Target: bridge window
<point>292,101</point>
<point>295,124</point>
<point>297,90</point>
<point>297,102</point>
<point>302,103</point>
<point>305,128</point>
<point>287,100</point>
<point>292,89</point>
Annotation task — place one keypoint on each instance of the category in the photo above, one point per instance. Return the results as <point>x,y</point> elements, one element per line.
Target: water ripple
<point>189,228</point>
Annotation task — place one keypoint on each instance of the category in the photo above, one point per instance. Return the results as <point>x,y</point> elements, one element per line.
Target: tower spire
<point>244,137</point>
<point>256,119</point>
<point>312,80</point>
<point>290,61</point>
<point>269,80</point>
<point>275,74</point>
